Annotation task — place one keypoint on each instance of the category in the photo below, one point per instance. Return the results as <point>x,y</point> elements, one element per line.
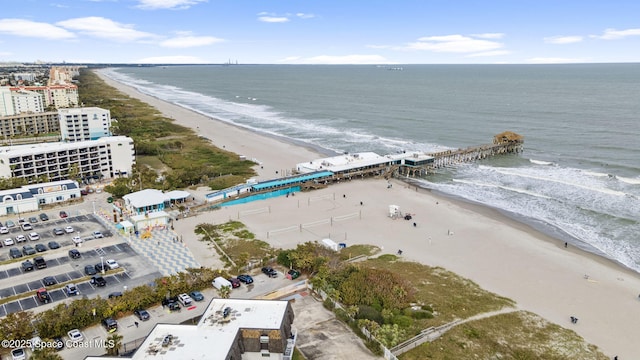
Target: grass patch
<point>516,335</point>
<point>358,250</point>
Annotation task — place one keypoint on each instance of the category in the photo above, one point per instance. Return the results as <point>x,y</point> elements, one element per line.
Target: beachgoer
<point>414,224</point>
<point>344,196</point>
<point>565,244</point>
<point>360,203</point>
<point>399,252</point>
<point>135,323</point>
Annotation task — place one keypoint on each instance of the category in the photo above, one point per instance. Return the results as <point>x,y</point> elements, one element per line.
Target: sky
<point>320,31</point>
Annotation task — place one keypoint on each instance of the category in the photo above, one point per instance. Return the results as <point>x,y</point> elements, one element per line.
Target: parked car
<point>71,290</point>
<point>43,217</point>
<point>58,231</point>
<point>110,324</point>
<point>68,229</point>
<point>33,219</point>
<point>33,236</point>
<point>196,295</point>
<point>18,354</point>
<point>77,240</point>
<point>98,280</point>
<point>26,227</point>
<point>43,295</point>
<point>58,343</point>
<point>171,303</point>
<point>10,224</point>
<point>28,250</point>
<point>27,265</point>
<point>20,238</point>
<point>74,254</point>
<point>100,267</point>
<point>247,279</point>
<point>235,283</point>
<point>49,280</point>
<point>269,271</point>
<point>54,245</point>
<point>115,294</point>
<point>4,230</point>
<point>21,221</point>
<point>293,274</point>
<point>8,242</point>
<point>15,253</point>
<point>97,234</point>
<point>185,300</point>
<point>63,214</point>
<point>90,270</point>
<point>112,264</point>
<point>142,314</point>
<point>75,335</point>
<point>41,248</point>
<point>39,262</point>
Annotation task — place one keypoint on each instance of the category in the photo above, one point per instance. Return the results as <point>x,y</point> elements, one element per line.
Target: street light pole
<point>102,264</point>
<point>94,206</point>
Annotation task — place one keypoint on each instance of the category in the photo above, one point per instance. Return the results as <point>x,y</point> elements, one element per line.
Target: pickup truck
<point>43,295</point>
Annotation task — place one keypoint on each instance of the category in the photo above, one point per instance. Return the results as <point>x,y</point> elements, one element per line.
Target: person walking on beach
<point>565,245</point>
<point>135,323</point>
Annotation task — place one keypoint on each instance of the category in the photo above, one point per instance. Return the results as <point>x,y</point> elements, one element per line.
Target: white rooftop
<point>150,197</point>
<point>30,149</point>
<point>214,335</point>
<point>343,162</point>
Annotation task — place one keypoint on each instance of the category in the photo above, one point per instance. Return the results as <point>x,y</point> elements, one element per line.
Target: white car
<point>68,229</point>
<point>8,242</point>
<point>185,300</point>
<point>26,227</point>
<point>97,235</point>
<point>20,238</point>
<point>112,264</point>
<point>77,240</point>
<point>33,236</point>
<point>75,335</point>
<point>4,230</point>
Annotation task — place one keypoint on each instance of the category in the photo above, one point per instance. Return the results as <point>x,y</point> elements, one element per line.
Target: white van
<point>219,282</point>
<point>185,300</point>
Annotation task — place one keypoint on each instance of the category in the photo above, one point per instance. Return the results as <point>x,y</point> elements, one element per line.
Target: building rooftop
<point>343,162</point>
<point>30,149</point>
<point>150,197</point>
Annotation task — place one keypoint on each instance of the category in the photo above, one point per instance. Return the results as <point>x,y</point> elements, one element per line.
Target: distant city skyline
<point>320,32</point>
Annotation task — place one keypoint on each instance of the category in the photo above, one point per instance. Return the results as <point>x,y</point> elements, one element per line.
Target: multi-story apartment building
<point>6,101</point>
<point>25,101</point>
<point>26,124</point>
<point>106,157</point>
<point>88,123</point>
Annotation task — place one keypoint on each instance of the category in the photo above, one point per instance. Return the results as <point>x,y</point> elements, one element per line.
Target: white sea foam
<point>633,181</point>
<point>540,162</point>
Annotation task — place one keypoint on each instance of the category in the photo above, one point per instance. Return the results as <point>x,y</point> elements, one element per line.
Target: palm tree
<point>224,292</point>
<point>114,342</point>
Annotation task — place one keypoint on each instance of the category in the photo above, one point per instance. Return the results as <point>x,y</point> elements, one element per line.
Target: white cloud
<point>489,35</point>
<point>305,16</point>
<point>612,34</point>
<point>453,43</point>
<point>168,4</point>
<point>543,60</point>
<point>563,39</point>
<point>490,53</point>
<point>26,28</point>
<point>336,60</point>
<point>186,40</point>
<point>177,59</point>
<point>273,19</point>
<point>105,28</point>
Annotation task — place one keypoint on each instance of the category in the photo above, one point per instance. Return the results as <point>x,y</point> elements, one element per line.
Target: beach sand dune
<point>500,255</point>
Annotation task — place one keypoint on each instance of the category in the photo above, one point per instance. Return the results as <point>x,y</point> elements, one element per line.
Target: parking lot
<point>15,281</point>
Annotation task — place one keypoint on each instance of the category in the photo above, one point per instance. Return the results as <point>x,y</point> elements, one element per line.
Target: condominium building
<point>26,101</point>
<point>26,124</point>
<point>106,157</point>
<point>58,96</point>
<point>87,123</point>
<point>6,101</point>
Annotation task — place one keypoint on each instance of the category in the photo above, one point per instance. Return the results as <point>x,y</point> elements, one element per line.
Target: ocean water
<point>578,178</point>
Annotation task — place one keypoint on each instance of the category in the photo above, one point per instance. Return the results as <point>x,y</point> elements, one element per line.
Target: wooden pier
<point>503,143</point>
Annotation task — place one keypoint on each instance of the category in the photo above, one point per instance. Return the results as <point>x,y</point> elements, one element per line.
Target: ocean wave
<point>508,188</point>
<point>540,162</point>
<point>632,181</point>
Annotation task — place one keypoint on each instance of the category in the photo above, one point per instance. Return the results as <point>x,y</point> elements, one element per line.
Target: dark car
<point>58,231</point>
<point>171,303</point>
<point>142,314</point>
<point>54,245</point>
<point>58,344</point>
<point>90,270</point>
<point>98,281</point>
<point>114,295</point>
<point>15,253</point>
<point>28,250</point>
<point>63,214</point>
<point>49,280</point>
<point>41,248</point>
<point>196,295</point>
<point>293,274</point>
<point>235,283</point>
<point>100,266</point>
<point>269,271</point>
<point>33,219</point>
<point>74,254</point>
<point>247,279</point>
<point>44,217</point>
<point>27,266</point>
<point>39,262</point>
<point>110,324</point>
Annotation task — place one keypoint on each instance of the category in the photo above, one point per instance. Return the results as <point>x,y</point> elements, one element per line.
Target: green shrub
<point>369,313</point>
<point>402,321</point>
<point>329,304</point>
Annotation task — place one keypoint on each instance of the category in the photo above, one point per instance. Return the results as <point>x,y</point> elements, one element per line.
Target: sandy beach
<point>499,254</point>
